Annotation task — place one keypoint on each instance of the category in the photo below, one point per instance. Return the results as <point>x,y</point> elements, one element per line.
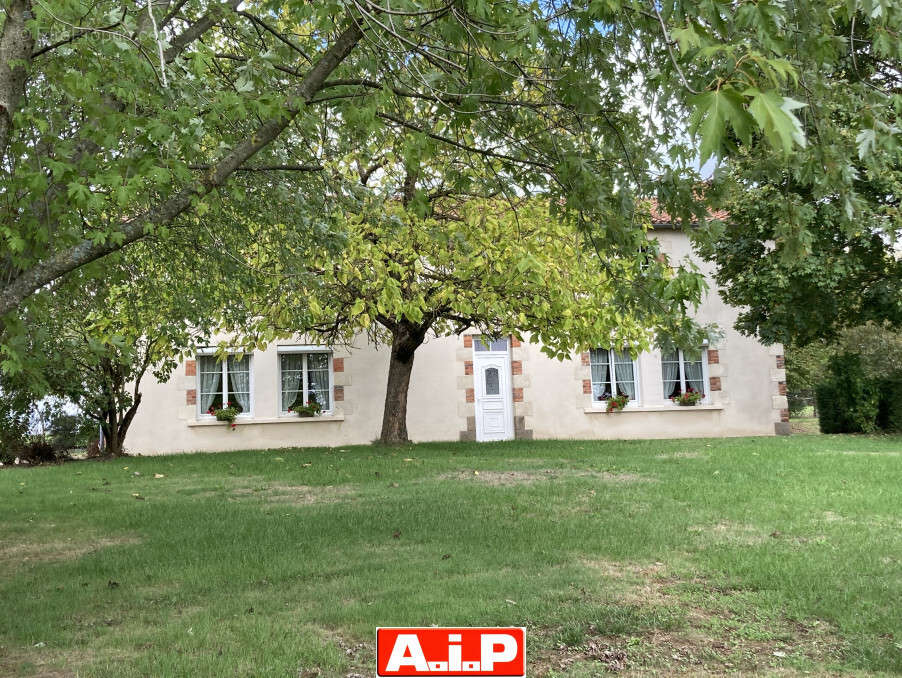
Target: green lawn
<point>763,555</point>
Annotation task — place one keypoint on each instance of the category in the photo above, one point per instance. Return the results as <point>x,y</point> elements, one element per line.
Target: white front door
<point>492,390</point>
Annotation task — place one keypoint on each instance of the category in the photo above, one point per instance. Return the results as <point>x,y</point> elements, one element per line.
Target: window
<point>303,377</point>
<point>683,371</point>
<point>224,383</point>
<point>613,373</point>
<point>646,258</point>
<point>486,343</point>
<point>492,386</point>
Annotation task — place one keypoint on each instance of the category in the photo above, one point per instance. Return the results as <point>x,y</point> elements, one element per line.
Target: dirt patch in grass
<point>640,583</point>
<point>299,495</point>
<point>502,478</point>
<point>729,532</point>
<point>862,453</point>
<point>804,426</point>
<point>51,662</point>
<point>682,455</point>
<point>23,553</point>
<point>713,640</point>
<point>875,522</point>
<point>693,652</point>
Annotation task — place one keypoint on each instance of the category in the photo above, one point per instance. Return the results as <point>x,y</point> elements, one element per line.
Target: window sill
<point>656,408</point>
<point>269,420</point>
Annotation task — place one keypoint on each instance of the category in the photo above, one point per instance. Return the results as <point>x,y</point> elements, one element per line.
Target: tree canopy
<point>812,244</point>
<point>91,340</point>
<point>125,120</point>
<point>485,263</point>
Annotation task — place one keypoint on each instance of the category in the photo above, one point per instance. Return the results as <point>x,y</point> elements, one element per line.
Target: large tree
<point>121,120</point>
<point>92,339</point>
<point>812,242</point>
<point>479,263</point>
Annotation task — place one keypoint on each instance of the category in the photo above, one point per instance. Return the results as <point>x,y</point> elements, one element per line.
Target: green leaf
<point>774,115</point>
<point>867,142</point>
<point>714,110</point>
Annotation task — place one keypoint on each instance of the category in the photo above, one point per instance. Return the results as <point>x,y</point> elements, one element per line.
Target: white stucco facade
<point>744,380</point>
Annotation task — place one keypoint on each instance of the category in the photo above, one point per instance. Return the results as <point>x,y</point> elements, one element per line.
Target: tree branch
<point>137,227</point>
<point>197,29</point>
<point>267,168</point>
<point>470,149</point>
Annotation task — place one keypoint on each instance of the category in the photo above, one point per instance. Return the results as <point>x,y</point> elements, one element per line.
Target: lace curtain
<point>624,375</point>
<point>210,371</point>
<point>692,363</point>
<point>600,365</point>
<point>292,378</point>
<point>240,378</point>
<point>670,367</point>
<point>318,378</point>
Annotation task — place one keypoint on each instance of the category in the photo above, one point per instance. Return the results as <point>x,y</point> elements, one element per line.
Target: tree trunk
<point>406,339</point>
<point>127,420</point>
<point>16,45</point>
<point>112,444</point>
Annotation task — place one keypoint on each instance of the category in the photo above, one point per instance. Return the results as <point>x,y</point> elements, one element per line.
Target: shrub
<point>889,414</point>
<point>68,431</point>
<point>848,401</point>
<point>39,451</point>
<point>16,409</point>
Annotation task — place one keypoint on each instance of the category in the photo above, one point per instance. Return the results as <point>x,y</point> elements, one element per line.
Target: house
<point>464,388</point>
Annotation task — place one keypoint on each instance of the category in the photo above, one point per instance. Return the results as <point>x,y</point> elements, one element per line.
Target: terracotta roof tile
<point>659,217</point>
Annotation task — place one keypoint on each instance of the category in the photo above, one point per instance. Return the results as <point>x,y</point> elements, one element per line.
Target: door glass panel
<point>492,386</point>
<point>486,343</point>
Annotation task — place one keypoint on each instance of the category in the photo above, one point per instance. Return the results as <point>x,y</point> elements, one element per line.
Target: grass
<point>805,426</point>
<point>762,555</point>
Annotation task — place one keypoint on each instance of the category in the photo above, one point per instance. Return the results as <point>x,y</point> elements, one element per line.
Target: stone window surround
<point>520,387</point>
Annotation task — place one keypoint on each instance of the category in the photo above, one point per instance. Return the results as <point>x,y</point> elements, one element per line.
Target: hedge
<point>889,414</point>
<point>847,401</point>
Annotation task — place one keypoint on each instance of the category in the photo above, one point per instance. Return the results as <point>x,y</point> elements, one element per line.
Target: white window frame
<point>305,349</point>
<point>225,381</point>
<point>636,402</point>
<point>682,363</point>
